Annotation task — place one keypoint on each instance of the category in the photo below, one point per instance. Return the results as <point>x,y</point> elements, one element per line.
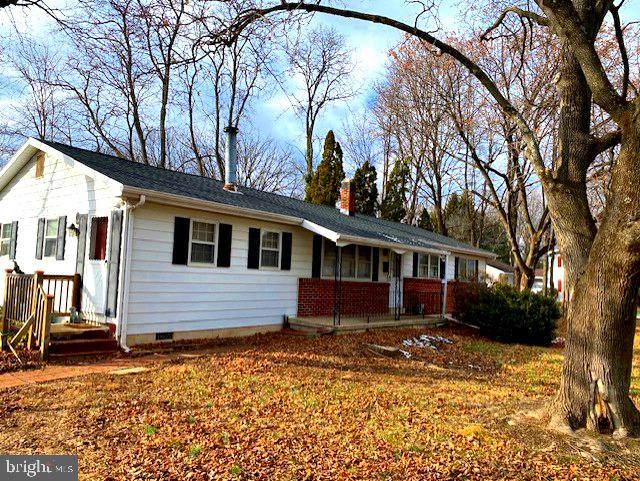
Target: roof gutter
<point>206,205</point>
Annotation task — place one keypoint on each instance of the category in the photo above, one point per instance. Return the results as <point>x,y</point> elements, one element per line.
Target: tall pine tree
<point>364,180</point>
<point>324,187</point>
<point>392,206</point>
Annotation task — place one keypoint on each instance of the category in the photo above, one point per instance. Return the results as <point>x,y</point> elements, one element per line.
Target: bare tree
<point>264,166</point>
<point>322,65</point>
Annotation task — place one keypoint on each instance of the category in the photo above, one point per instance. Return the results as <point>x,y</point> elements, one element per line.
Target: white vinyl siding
<point>164,297</point>
<point>62,190</point>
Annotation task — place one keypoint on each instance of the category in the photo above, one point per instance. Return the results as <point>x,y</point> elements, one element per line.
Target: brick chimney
<point>348,197</point>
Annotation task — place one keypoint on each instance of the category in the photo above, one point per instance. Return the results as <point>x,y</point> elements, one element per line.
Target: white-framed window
<point>467,269</point>
<point>50,238</point>
<point>270,249</point>
<point>328,259</point>
<point>5,239</point>
<point>202,245</point>
<point>364,262</point>
<point>356,261</point>
<point>429,266</point>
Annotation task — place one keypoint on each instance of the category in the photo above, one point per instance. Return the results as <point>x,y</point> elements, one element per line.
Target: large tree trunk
<point>594,391</point>
<point>567,192</point>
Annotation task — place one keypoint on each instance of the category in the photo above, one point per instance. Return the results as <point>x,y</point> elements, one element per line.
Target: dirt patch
<point>28,360</point>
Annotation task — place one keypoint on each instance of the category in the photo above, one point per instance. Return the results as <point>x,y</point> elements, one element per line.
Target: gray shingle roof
<point>140,176</point>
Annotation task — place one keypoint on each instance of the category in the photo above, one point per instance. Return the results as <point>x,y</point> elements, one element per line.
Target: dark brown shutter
<point>253,256</point>
<point>415,264</point>
<point>443,268</point>
<point>181,240</point>
<point>316,263</point>
<point>81,220</point>
<point>14,240</point>
<point>375,263</point>
<point>113,264</point>
<point>457,268</point>
<point>62,237</point>
<point>285,263</point>
<point>224,245</point>
<point>477,270</point>
<point>40,240</point>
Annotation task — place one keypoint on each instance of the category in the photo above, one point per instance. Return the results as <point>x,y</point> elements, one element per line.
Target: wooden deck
<point>324,325</point>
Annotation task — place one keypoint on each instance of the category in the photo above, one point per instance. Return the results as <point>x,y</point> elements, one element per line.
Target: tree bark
<point>596,377</point>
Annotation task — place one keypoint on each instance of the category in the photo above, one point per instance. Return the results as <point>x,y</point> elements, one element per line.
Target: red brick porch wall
<point>315,298</point>
<point>426,292</point>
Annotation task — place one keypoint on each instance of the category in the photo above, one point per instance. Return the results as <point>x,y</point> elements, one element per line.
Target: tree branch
<point>532,16</point>
<point>533,151</point>
<point>566,22</point>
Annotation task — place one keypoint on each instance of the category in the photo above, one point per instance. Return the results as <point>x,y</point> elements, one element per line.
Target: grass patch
<point>284,407</point>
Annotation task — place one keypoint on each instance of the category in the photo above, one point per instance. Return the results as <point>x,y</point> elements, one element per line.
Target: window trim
<point>270,268</point>
<point>45,237</point>
<point>6,239</point>
<point>467,261</point>
<point>215,243</point>
<point>350,279</point>
<point>429,256</point>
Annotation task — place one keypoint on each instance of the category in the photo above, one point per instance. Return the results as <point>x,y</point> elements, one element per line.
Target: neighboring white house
<point>169,255</point>
<point>557,279</point>
<point>499,272</point>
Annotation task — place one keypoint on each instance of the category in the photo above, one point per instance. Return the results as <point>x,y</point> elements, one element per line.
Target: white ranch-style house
<point>162,255</point>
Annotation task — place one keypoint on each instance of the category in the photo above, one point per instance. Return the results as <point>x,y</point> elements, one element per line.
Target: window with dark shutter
<point>6,238</point>
<point>224,245</point>
<point>253,255</point>
<point>181,229</point>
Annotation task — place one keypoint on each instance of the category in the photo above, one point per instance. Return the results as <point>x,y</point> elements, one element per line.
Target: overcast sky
<point>370,44</point>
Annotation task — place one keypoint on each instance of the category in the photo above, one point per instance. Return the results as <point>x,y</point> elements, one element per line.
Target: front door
<point>95,271</point>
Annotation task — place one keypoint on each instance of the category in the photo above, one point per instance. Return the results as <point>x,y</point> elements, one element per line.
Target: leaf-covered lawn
<point>284,407</point>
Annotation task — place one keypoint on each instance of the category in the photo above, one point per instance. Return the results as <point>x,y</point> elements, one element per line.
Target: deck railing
<point>30,301</point>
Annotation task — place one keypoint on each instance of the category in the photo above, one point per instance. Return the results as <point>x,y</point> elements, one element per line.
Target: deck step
<point>61,332</point>
<point>78,347</point>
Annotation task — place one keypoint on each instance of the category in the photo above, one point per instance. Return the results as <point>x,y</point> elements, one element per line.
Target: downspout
<point>125,272</point>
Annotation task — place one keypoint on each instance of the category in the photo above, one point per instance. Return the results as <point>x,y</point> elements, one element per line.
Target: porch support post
<point>37,281</point>
<point>443,289</point>
<point>4,327</point>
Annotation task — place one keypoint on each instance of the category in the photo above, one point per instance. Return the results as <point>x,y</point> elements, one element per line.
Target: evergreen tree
<point>364,180</point>
<point>324,187</point>
<point>426,222</point>
<point>392,206</point>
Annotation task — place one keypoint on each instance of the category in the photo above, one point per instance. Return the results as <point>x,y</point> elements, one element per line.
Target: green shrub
<point>508,315</point>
